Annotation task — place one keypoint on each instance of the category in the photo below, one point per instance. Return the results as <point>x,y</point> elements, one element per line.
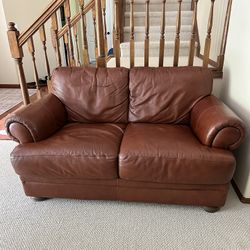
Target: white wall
<point>220,7</point>
<point>16,11</point>
<point>7,66</point>
<point>109,17</point>
<point>23,13</point>
<point>234,89</point>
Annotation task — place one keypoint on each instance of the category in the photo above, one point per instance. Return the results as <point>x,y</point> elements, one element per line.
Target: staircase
<point>154,33</point>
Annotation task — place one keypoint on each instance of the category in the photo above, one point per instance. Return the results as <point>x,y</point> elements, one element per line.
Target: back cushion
<point>91,94</point>
<point>166,95</point>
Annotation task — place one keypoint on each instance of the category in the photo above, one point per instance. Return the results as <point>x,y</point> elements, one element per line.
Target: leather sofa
<point>144,135</point>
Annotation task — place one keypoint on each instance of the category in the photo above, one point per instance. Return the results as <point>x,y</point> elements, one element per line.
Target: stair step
<point>155,18</point>
<point>154,49</point>
<point>156,5</point>
<point>154,62</point>
<point>154,33</point>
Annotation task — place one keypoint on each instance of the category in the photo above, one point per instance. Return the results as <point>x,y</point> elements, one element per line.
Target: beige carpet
<point>72,224</point>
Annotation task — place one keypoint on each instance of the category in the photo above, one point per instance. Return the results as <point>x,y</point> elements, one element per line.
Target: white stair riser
<point>154,52</point>
<point>172,6</point>
<point>154,20</point>
<point>155,36</point>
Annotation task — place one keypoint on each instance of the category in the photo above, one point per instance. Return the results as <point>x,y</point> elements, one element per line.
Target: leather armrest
<point>37,121</point>
<point>216,125</point>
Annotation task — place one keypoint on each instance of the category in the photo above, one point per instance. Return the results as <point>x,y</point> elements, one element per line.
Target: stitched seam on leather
<point>179,189</point>
<point>176,158</point>
<point>117,185</point>
<point>77,156</point>
<point>81,184</point>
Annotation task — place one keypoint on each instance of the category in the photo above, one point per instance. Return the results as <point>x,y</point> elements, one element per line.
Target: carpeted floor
<point>73,224</point>
<point>3,134</point>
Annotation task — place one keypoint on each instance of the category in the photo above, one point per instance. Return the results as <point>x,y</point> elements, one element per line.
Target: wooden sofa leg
<point>211,209</point>
<point>39,198</point>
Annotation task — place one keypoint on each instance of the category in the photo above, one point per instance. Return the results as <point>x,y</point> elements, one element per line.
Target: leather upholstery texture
<point>200,195</point>
<point>37,121</point>
<point>84,151</point>
<point>93,94</point>
<point>145,134</point>
<point>216,125</point>
<point>166,95</point>
<point>165,153</point>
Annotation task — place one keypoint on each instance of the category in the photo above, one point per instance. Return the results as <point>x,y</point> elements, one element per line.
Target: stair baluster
<point>95,32</point>
<point>103,4</point>
<point>177,37</point>
<point>66,42</point>
<point>208,38</point>
<point>117,34</point>
<point>75,32</point>
<point>55,40</point>
<point>70,40</point>
<point>101,60</point>
<point>146,41</point>
<point>132,35</point>
<point>17,54</point>
<point>162,37</point>
<point>84,34</point>
<point>43,40</point>
<point>220,59</point>
<point>193,35</point>
<point>31,49</point>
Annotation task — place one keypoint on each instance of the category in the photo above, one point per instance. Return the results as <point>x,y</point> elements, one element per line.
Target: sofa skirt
<point>200,195</point>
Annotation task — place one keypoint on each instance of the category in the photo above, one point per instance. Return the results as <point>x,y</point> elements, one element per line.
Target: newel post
<point>17,54</point>
<point>101,60</point>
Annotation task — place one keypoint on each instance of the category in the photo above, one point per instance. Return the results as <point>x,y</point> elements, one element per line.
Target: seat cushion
<point>167,94</point>
<point>83,151</point>
<point>171,154</point>
<point>93,94</point>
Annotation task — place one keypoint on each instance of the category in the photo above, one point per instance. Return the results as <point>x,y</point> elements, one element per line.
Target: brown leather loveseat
<point>145,134</point>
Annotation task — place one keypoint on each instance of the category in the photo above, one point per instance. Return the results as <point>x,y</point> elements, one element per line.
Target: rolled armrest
<point>37,121</point>
<point>216,125</point>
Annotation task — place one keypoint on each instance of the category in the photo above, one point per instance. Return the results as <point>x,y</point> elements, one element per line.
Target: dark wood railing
<point>74,33</point>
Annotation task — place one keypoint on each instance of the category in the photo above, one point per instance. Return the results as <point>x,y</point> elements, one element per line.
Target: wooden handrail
<point>76,18</point>
<point>48,12</point>
<point>34,27</point>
